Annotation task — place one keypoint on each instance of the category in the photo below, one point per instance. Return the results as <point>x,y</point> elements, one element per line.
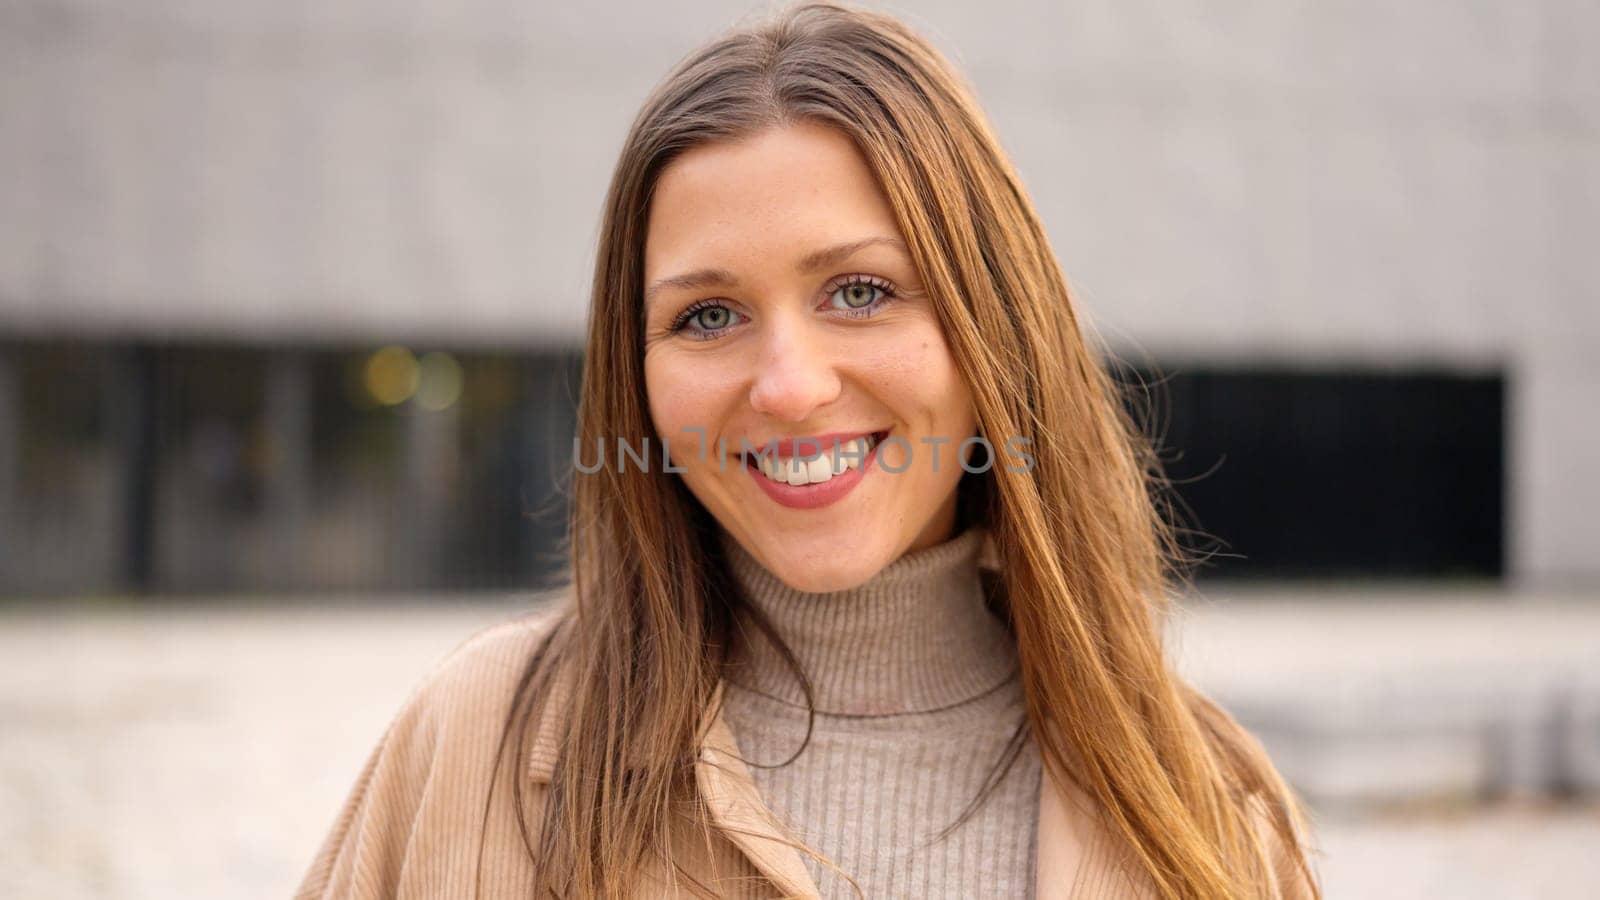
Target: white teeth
<point>850,454</point>
<point>819,470</point>
<point>796,470</point>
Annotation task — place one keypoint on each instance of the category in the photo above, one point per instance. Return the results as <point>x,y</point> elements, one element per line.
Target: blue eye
<point>704,319</point>
<point>713,317</point>
<point>859,295</point>
<point>856,296</point>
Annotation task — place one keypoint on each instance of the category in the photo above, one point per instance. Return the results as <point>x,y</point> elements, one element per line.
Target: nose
<point>795,375</point>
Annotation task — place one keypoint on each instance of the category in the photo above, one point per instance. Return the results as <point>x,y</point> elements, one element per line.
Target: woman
<point>867,561</point>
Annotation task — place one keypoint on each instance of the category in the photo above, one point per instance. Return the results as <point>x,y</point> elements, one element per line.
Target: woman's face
<point>782,303</point>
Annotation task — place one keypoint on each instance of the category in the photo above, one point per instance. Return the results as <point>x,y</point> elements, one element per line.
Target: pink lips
<point>814,496</point>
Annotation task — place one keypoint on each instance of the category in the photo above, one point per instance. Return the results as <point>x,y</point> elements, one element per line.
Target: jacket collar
<point>552,725</point>
<point>546,743</point>
<point>735,802</point>
<point>1077,855</point>
<point>727,788</point>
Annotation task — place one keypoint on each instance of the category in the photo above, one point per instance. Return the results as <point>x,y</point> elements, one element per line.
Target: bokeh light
<point>440,382</point>
<point>392,375</point>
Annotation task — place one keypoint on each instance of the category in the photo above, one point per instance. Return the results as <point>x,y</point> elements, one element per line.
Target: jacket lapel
<point>1076,856</point>
<point>735,804</point>
<point>1079,856</point>
<point>726,788</point>
<point>552,724</point>
<point>1059,850</point>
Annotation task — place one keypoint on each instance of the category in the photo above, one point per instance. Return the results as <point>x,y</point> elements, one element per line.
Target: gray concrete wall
<point>1364,182</point>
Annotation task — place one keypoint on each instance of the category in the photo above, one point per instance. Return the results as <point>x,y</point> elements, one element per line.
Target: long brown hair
<point>1088,552</point>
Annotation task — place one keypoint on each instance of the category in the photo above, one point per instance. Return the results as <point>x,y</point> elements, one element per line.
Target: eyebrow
<point>809,264</point>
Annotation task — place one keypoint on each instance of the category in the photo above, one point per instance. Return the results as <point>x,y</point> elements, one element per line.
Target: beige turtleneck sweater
<point>915,701</point>
<point>917,692</point>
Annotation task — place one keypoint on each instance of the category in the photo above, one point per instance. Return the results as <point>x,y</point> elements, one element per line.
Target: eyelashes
<point>683,319</point>
<point>693,319</point>
<point>851,282</point>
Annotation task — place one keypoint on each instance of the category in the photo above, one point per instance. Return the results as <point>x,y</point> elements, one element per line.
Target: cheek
<point>919,377</point>
<point>684,393</point>
<point>671,407</point>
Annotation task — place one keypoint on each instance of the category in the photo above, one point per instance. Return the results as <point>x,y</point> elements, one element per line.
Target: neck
<point>916,637</point>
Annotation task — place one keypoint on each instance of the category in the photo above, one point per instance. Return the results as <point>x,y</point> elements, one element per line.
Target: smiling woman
<point>865,660</point>
<point>800,335</point>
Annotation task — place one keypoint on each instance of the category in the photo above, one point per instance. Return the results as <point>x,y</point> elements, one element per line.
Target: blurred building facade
<point>291,294</point>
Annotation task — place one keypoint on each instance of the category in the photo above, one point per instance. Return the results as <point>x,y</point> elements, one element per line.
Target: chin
<point>835,575</point>
<point>814,582</point>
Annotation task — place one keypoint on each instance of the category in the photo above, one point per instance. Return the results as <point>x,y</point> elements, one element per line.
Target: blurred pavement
<point>199,750</point>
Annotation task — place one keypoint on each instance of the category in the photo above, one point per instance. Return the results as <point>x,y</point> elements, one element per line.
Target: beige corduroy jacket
<point>416,824</point>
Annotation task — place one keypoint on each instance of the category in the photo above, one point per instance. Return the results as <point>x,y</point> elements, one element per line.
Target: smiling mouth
<point>798,472</point>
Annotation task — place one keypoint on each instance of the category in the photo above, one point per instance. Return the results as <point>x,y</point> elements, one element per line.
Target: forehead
<point>763,198</point>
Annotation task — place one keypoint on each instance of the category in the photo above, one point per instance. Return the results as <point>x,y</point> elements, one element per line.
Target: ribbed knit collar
<point>916,637</point>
